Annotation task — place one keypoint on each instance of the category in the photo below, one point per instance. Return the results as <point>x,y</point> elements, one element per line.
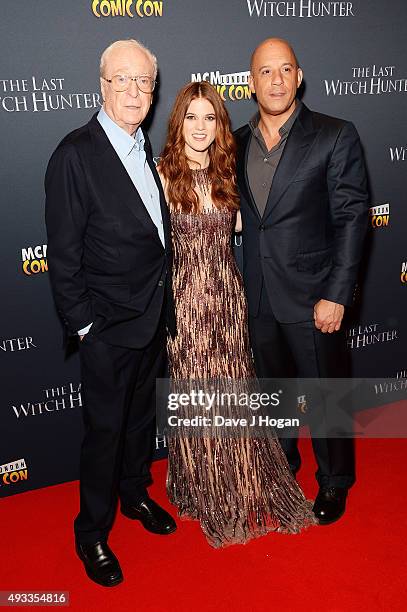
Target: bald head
<point>274,78</point>
<point>274,45</point>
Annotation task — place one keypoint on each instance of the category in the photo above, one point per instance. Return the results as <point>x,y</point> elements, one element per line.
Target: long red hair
<point>222,152</point>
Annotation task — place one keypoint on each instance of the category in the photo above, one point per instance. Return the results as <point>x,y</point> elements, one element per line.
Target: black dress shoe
<point>330,504</point>
<point>100,563</point>
<point>151,515</point>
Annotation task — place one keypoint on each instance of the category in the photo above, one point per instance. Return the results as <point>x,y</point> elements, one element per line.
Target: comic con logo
<point>380,215</point>
<point>299,8</point>
<point>127,8</point>
<point>43,94</point>
<point>13,472</point>
<point>403,274</point>
<point>232,86</point>
<point>34,259</point>
<point>368,80</point>
<point>367,335</point>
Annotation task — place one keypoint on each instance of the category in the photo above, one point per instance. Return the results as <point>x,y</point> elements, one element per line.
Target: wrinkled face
<point>275,77</point>
<point>127,108</point>
<point>199,128</point>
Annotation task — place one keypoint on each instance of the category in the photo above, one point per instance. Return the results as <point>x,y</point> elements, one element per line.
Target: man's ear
<point>251,83</point>
<point>102,87</point>
<point>300,76</point>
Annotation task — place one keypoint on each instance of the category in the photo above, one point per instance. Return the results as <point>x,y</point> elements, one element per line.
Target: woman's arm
<point>238,226</point>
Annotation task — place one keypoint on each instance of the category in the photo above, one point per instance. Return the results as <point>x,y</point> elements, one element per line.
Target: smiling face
<point>275,77</point>
<point>126,108</point>
<point>199,128</point>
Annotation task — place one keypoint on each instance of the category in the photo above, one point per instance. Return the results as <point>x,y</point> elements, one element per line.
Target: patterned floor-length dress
<point>238,488</point>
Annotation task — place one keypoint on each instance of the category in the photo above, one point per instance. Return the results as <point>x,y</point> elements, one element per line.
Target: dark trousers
<point>301,350</point>
<point>118,387</point>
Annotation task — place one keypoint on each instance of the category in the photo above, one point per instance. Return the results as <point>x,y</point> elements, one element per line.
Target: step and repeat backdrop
<point>355,67</point>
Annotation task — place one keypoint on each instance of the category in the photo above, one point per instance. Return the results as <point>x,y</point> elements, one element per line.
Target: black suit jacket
<point>308,244</point>
<point>106,261</point>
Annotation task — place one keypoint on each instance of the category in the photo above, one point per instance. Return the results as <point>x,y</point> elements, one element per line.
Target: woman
<point>237,486</point>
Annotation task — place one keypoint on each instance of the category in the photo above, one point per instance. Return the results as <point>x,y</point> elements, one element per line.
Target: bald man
<point>304,207</point>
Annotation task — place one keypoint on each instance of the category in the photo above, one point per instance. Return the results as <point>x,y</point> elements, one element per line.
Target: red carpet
<point>358,563</point>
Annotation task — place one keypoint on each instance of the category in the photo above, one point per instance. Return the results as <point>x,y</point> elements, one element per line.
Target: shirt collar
<point>121,141</point>
<point>285,128</point>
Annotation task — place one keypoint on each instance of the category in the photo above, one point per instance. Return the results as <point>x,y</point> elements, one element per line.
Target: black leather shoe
<point>100,563</point>
<point>151,515</point>
<point>330,504</point>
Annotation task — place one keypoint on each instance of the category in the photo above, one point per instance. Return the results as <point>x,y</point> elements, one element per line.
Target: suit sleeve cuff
<point>84,330</point>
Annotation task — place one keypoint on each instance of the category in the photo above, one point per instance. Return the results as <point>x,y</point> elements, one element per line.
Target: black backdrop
<point>355,66</point>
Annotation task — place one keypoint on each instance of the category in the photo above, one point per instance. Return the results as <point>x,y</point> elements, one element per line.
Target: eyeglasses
<point>121,82</point>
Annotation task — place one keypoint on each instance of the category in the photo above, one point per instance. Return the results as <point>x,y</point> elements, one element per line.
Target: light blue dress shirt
<point>133,157</point>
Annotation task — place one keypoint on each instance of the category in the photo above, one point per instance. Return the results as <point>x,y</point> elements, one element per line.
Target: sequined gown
<point>237,487</point>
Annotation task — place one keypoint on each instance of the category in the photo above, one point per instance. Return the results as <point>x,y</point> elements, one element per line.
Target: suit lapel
<point>241,170</point>
<point>163,202</point>
<point>120,184</point>
<point>300,139</point>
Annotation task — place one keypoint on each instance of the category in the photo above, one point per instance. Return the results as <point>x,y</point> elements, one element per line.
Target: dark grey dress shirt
<point>261,163</point>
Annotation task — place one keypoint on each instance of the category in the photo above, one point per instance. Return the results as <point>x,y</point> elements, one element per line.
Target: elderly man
<point>109,262</point>
<point>304,208</point>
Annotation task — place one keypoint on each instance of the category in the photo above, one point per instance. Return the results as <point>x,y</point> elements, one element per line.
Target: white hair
<point>120,44</point>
